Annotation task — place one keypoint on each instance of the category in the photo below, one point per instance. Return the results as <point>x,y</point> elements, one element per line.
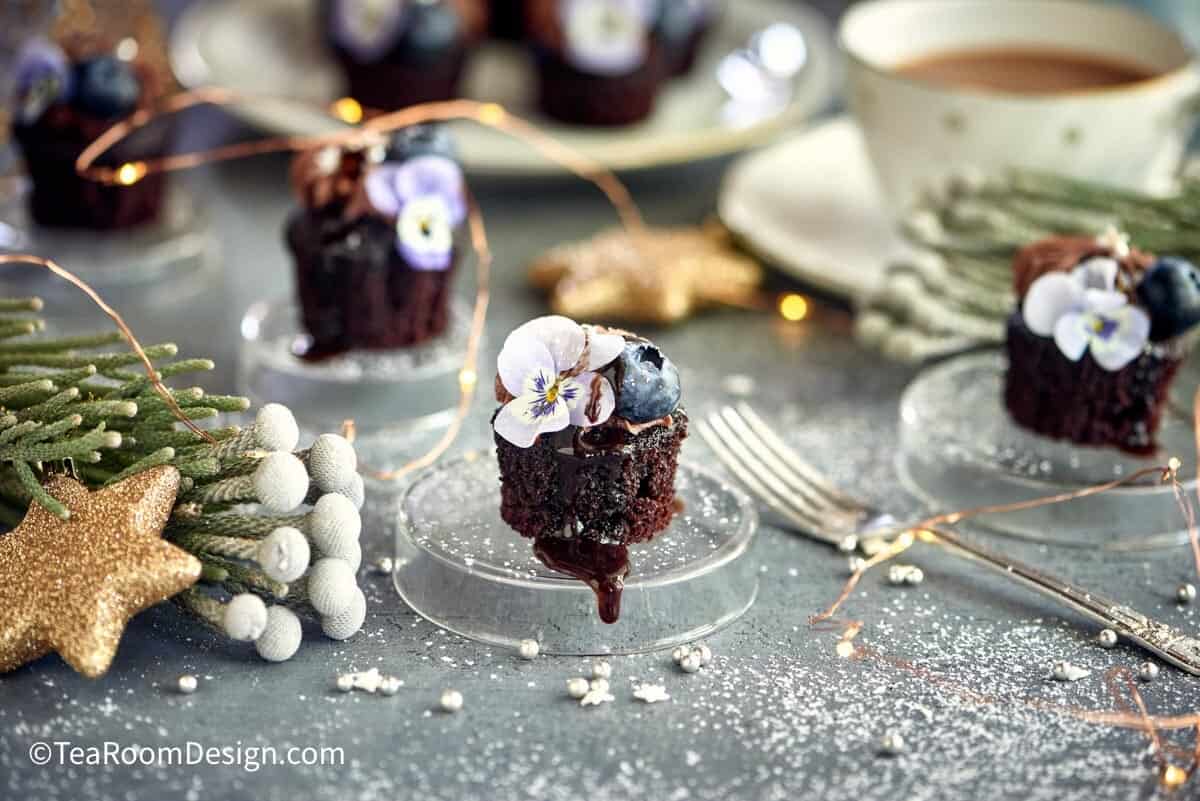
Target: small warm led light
<point>1173,777</point>
<point>130,173</point>
<point>492,114</point>
<point>467,378</point>
<point>845,649</point>
<point>793,308</point>
<point>348,110</point>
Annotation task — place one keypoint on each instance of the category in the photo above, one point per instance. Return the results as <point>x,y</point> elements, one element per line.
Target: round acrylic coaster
<point>174,248</point>
<point>394,397</point>
<point>460,566</point>
<point>961,450</point>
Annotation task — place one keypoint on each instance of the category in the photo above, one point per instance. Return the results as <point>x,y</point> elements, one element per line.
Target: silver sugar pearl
<point>598,685</point>
<point>1148,671</point>
<point>892,744</point>
<point>1186,593</point>
<point>577,687</point>
<point>528,649</point>
<point>187,684</point>
<point>690,663</point>
<point>915,576</point>
<point>855,564</point>
<point>848,544</point>
<point>680,652</point>
<point>390,685</point>
<point>451,701</point>
<point>383,566</point>
<point>703,653</point>
<point>345,682</point>
<point>602,670</point>
<point>1107,638</point>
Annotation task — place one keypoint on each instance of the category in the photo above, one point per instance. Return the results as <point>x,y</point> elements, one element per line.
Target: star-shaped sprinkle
<point>658,275</point>
<point>651,693</point>
<point>71,586</point>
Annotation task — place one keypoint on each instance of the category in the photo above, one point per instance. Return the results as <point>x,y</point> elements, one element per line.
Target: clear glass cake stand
<point>395,398</point>
<point>460,566</point>
<point>960,450</point>
<point>173,249</point>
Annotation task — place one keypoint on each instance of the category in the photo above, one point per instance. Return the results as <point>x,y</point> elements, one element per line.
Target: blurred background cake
<point>1099,335</point>
<point>373,240</point>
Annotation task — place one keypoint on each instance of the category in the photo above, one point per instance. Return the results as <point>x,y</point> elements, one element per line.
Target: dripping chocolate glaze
<point>602,566</point>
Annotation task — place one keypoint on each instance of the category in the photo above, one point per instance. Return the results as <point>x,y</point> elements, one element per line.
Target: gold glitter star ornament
<point>71,586</point>
<point>656,275</point>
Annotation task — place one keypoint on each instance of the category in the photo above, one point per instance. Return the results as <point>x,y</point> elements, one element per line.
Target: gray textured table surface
<point>776,716</point>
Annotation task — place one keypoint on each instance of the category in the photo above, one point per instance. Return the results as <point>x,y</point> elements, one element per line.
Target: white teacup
<point>1132,135</point>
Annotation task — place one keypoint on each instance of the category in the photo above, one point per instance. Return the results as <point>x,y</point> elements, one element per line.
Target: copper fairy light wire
<point>151,373</point>
<point>487,114</point>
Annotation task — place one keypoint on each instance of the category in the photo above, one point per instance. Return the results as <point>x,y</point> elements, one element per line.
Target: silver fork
<point>810,504</point>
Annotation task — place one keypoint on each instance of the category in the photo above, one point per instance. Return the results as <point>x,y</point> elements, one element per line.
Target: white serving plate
<point>811,206</point>
<point>273,48</point>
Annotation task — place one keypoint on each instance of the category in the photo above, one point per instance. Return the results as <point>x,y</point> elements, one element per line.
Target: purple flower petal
<point>43,76</point>
<point>607,37</point>
<point>1130,330</point>
<point>432,176</point>
<point>603,349</point>
<point>368,28</point>
<point>579,406</point>
<point>562,336</point>
<point>423,234</point>
<point>520,358</point>
<point>1050,297</point>
<point>1071,335</point>
<point>380,185</point>
<point>523,419</point>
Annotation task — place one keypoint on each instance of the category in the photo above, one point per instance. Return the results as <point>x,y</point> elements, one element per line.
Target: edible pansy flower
<point>607,37</point>
<point>368,28</point>
<point>43,77</point>
<point>549,367</point>
<point>426,197</point>
<point>1084,313</point>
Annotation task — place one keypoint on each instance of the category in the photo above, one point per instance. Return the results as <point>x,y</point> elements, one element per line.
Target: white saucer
<point>273,48</point>
<point>810,206</point>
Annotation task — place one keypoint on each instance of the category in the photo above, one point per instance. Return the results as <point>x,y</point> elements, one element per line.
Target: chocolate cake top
<point>1100,296</point>
<point>86,82</point>
<point>380,30</point>
<point>602,37</point>
<point>553,373</point>
<point>413,183</point>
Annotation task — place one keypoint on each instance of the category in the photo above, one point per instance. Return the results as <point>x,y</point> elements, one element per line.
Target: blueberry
<point>649,383</point>
<point>432,30</point>
<point>1170,291</point>
<point>106,86</point>
<point>430,139</point>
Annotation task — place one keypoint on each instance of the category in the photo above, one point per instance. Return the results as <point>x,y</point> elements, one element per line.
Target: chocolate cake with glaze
<point>66,98</point>
<point>397,53</point>
<point>1097,339</point>
<point>374,242</point>
<point>599,62</point>
<point>587,437</point>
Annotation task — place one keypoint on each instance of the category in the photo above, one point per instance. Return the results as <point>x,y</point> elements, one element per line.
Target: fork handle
<point>1167,642</point>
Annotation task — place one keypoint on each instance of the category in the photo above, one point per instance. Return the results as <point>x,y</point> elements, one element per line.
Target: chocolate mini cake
<point>397,53</point>
<point>65,101</point>
<point>1097,340</point>
<point>588,438</point>
<point>600,62</point>
<point>373,242</point>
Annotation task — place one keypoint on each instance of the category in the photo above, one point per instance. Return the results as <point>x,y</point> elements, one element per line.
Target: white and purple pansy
<point>1083,312</point>
<point>549,366</point>
<point>368,29</point>
<point>43,77</point>
<point>426,196</point>
<point>607,37</point>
